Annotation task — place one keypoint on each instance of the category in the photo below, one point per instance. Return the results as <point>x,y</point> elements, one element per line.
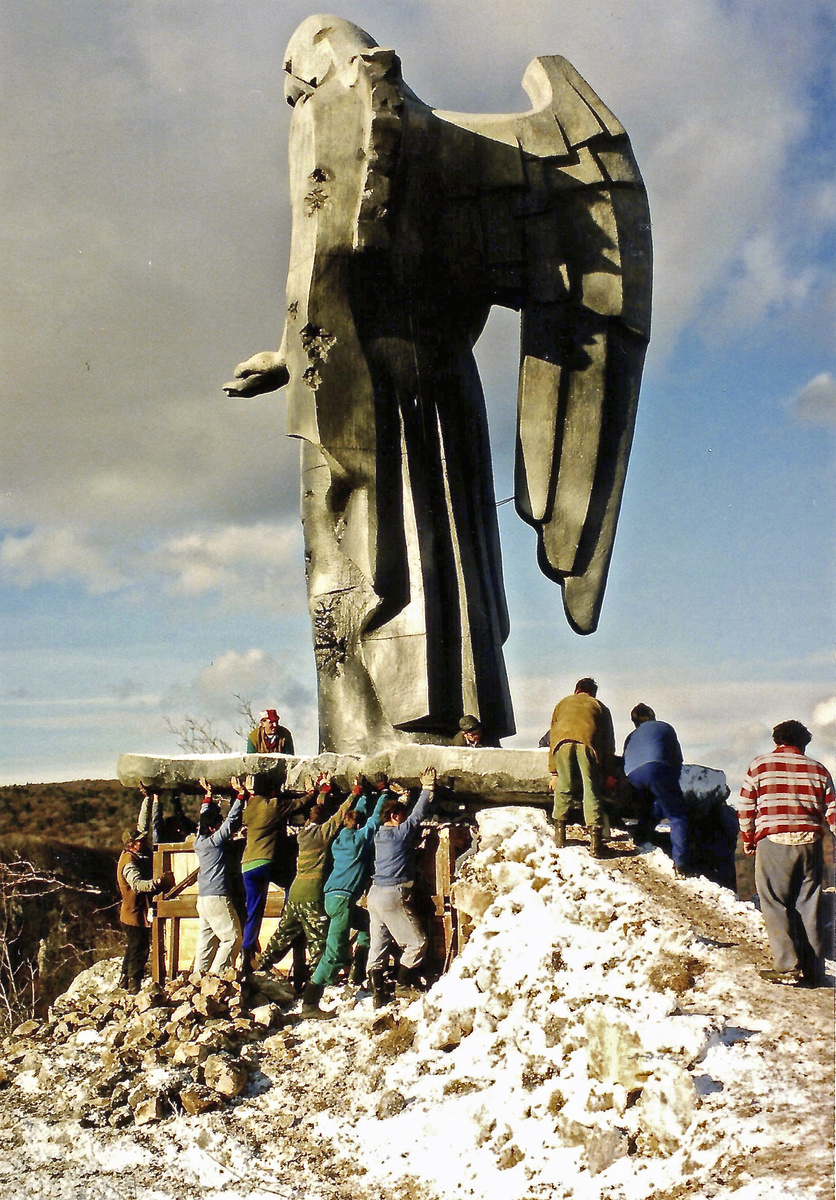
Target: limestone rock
<point>390,1104</point>
<point>153,1108</point>
<point>190,1054</point>
<point>265,1015</point>
<point>614,1050</point>
<point>667,1107</point>
<point>26,1029</point>
<point>603,1147</point>
<point>224,1075</point>
<point>196,1099</point>
<point>509,1156</point>
<point>207,1006</point>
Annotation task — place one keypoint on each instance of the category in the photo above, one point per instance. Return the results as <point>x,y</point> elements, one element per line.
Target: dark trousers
<point>256,885</point>
<point>660,795</point>
<point>137,947</point>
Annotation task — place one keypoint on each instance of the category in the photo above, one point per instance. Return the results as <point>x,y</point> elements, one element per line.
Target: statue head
<point>320,46</point>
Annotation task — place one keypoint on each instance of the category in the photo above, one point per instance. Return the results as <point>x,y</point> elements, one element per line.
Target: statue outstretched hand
<point>264,372</point>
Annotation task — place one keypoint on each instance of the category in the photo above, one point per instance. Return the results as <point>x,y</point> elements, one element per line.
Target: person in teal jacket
<point>352,852</point>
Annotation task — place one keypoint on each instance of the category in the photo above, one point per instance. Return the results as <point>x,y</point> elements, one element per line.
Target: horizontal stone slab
<point>484,774</point>
<point>479,775</point>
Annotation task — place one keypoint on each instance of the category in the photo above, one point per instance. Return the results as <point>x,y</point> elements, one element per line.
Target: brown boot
<point>596,840</point>
<point>559,834</point>
<point>310,1003</point>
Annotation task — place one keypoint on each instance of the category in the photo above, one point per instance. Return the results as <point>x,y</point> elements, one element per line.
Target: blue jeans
<point>658,787</point>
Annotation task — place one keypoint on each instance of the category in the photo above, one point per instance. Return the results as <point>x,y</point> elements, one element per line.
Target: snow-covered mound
<point>603,1035</point>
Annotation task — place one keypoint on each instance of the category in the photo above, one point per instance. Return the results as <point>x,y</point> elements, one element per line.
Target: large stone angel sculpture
<point>408,224</point>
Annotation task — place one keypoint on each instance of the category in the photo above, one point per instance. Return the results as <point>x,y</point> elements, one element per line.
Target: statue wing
<point>568,243</point>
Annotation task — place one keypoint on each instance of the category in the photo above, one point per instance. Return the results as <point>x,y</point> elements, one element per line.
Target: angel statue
<point>408,223</point>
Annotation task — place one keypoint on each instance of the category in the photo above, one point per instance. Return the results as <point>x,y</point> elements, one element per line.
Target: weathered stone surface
<point>667,1107</point>
<point>157,772</point>
<point>190,1054</point>
<point>484,775</point>
<point>265,1015</point>
<point>487,774</point>
<point>154,1108</point>
<point>26,1029</point>
<point>224,1075</point>
<point>196,1099</point>
<point>603,1147</point>
<point>509,1156</point>
<point>614,1050</point>
<point>271,989</point>
<point>207,1006</point>
<point>390,1104</point>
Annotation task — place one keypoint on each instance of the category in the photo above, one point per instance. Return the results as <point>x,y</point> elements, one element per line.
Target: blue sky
<point>150,551</point>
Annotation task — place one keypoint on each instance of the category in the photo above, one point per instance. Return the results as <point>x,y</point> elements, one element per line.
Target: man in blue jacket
<point>653,764</point>
<point>219,929</point>
<point>391,916</point>
<point>352,854</point>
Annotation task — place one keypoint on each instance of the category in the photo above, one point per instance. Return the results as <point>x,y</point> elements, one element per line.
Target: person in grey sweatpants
<point>219,928</point>
<point>391,915</point>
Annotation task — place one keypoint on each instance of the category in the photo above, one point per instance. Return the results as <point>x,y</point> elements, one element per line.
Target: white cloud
<point>246,566</point>
<point>59,556</point>
<point>815,404</point>
<point>761,282</point>
<point>283,681</point>
<point>824,718</point>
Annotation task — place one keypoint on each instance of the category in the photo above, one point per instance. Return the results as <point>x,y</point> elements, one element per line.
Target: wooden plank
<point>174,947</point>
<point>158,951</point>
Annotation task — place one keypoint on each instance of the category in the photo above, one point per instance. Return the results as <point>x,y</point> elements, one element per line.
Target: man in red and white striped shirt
<point>786,803</point>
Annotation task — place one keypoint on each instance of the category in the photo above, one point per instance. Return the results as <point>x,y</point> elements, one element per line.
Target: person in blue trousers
<point>653,764</point>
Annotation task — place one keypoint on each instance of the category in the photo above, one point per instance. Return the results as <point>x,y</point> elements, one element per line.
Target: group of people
<point>367,848</point>
<point>787,804</point>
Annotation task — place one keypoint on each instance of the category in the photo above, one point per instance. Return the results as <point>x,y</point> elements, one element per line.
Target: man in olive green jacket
<point>581,761</point>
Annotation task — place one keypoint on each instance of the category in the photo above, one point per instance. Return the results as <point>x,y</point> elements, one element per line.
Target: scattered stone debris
<point>182,1048</point>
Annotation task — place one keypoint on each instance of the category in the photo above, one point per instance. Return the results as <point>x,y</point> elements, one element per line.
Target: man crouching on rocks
<point>133,875</point>
<point>391,915</point>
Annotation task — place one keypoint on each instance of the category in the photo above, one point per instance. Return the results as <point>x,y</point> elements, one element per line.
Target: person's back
<point>785,792</point>
<point>210,849</point>
<point>394,846</point>
<point>652,742</point>
<point>583,719</point>
<point>264,818</point>
<point>352,853</point>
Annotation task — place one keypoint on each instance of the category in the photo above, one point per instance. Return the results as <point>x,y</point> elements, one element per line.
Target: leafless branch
<point>245,710</point>
<point>196,736</point>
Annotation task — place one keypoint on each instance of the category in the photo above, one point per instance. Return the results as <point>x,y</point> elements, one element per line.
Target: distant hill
<point>84,812</point>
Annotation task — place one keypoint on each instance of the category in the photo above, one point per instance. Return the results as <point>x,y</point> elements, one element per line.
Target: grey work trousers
<point>788,880</point>
<point>392,920</point>
<point>218,934</point>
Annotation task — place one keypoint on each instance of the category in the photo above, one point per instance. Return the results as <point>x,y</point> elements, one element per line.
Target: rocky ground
<point>604,1034</point>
